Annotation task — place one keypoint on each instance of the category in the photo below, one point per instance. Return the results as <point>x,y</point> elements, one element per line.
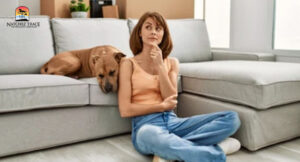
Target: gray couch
<point>42,111</point>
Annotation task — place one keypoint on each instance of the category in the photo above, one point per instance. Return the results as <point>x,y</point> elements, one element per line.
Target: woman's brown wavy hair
<point>136,43</point>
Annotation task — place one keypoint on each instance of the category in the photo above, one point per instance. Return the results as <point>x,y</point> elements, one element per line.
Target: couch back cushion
<point>74,34</point>
<point>25,45</point>
<point>190,39</point>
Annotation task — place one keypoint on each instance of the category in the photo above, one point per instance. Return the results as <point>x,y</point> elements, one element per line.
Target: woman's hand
<point>169,103</point>
<point>156,55</point>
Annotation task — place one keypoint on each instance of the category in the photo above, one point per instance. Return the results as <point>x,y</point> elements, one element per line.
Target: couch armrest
<point>235,55</point>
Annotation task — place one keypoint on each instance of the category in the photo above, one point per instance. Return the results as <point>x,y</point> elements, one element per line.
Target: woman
<point>148,94</point>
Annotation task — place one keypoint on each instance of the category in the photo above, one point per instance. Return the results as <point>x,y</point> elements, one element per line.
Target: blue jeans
<point>192,139</point>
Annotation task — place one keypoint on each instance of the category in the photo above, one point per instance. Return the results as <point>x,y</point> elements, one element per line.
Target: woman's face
<point>151,32</point>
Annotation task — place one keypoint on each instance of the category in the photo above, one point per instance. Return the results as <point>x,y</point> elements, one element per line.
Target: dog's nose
<point>108,87</point>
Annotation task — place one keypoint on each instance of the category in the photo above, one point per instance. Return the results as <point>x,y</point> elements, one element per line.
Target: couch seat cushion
<point>25,92</point>
<point>97,97</point>
<point>254,83</point>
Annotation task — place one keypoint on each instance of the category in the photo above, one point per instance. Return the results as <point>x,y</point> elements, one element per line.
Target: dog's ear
<point>118,56</point>
<point>95,58</point>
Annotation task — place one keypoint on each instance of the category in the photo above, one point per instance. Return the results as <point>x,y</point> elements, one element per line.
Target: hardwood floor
<point>120,149</point>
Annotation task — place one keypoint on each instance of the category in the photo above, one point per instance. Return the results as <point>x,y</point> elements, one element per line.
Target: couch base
<point>38,129</point>
<point>259,128</point>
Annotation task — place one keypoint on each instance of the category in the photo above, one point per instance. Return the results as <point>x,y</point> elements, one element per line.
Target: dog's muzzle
<point>108,87</point>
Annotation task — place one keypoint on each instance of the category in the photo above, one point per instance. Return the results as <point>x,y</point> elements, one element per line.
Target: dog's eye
<point>101,76</point>
<point>111,73</point>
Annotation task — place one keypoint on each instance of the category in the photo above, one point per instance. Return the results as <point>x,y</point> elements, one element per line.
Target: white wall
<point>251,25</point>
<point>33,5</point>
<point>7,7</point>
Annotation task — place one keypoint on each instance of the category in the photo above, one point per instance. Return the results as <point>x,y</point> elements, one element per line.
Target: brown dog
<point>101,62</point>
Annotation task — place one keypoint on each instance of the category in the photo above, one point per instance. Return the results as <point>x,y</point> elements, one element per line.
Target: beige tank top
<point>145,86</point>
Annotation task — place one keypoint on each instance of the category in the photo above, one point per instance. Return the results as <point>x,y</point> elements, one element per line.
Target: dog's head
<point>107,69</point>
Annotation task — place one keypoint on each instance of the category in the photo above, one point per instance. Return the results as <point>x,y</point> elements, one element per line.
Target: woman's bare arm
<point>168,81</point>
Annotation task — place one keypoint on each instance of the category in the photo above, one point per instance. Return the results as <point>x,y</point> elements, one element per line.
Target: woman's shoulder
<point>126,62</point>
<point>173,61</point>
<point>126,59</point>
